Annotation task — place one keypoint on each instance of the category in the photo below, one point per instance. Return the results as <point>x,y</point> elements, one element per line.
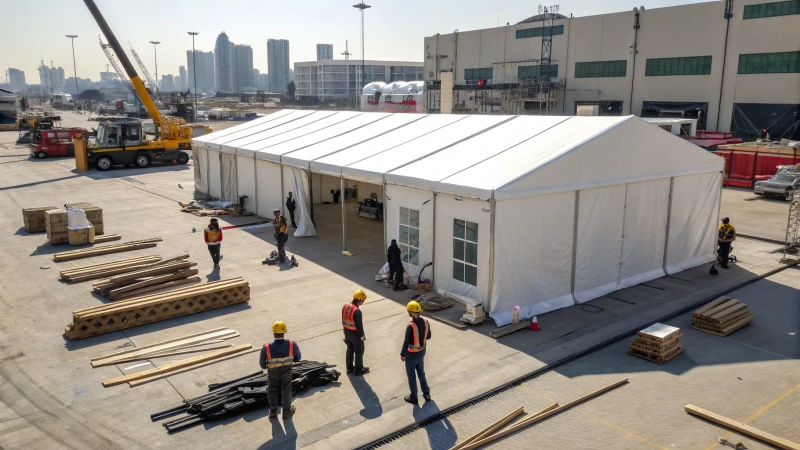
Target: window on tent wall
<point>409,236</point>
<point>465,251</point>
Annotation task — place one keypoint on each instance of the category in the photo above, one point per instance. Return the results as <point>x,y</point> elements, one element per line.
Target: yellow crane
<point>124,142</point>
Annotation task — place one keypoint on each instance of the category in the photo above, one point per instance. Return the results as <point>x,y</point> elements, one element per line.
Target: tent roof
<point>224,135</point>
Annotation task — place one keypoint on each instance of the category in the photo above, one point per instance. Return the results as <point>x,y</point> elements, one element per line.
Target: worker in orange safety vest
<point>418,332</point>
<point>278,357</point>
<point>354,337</point>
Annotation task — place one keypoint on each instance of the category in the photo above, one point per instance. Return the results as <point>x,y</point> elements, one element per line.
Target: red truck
<point>55,142</point>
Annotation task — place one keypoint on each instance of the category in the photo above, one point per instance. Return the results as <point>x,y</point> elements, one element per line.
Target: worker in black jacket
<point>291,204</point>
<point>354,337</point>
<point>418,332</point>
<point>277,358</point>
<point>394,258</point>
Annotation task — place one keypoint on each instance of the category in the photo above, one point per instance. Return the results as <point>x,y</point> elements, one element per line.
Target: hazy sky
<point>35,29</point>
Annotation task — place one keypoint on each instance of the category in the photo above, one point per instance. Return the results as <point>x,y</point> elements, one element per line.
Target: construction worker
<point>213,237</point>
<point>280,234</point>
<point>725,235</point>
<point>277,358</point>
<point>291,204</point>
<point>354,337</point>
<point>394,258</point>
<point>418,332</point>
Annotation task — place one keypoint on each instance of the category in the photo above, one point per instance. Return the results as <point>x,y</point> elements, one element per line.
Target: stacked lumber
<point>34,218</point>
<point>105,249</point>
<point>657,343</point>
<point>146,309</point>
<point>107,238</point>
<point>56,222</point>
<point>722,317</point>
<point>164,274</point>
<point>102,270</point>
<point>81,236</point>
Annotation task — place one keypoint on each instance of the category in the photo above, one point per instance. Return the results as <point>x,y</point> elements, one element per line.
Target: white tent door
<point>533,255</point>
<point>230,190</point>
<point>693,221</point>
<point>409,220</point>
<point>300,188</point>
<point>200,163</point>
<point>246,181</point>
<point>289,186</point>
<point>646,206</point>
<point>449,269</point>
<point>269,187</point>
<point>214,174</point>
<point>597,260</point>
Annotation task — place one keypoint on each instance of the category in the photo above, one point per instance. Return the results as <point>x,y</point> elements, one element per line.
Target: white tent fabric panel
<point>599,241</point>
<point>475,211</point>
<point>214,174</point>
<point>316,188</point>
<point>374,167</point>
<point>533,255</point>
<point>300,187</point>
<point>269,187</point>
<point>422,202</point>
<point>693,221</point>
<point>281,126</point>
<point>230,191</point>
<point>249,124</point>
<point>246,181</point>
<point>222,142</point>
<point>333,164</point>
<point>645,229</point>
<point>428,172</point>
<point>200,164</point>
<point>263,146</point>
<point>289,186</point>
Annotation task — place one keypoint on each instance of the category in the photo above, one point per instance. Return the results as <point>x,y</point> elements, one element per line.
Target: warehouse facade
<point>734,65</point>
<point>340,78</point>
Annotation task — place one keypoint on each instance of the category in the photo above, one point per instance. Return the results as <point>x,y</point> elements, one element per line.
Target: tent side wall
<point>200,163</point>
<point>693,221</point>
<point>229,181</point>
<point>269,187</point>
<point>405,229</point>
<point>246,181</point>
<point>214,174</point>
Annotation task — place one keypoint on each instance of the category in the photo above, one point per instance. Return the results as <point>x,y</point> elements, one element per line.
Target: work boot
<point>273,413</point>
<point>290,413</point>
<point>410,399</point>
<point>364,370</point>
<point>427,397</point>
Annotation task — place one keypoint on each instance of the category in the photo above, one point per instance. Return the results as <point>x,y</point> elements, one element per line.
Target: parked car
<point>54,142</point>
<point>782,184</point>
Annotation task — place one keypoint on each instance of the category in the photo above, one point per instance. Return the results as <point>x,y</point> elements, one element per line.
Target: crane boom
<point>153,85</point>
<point>122,76</point>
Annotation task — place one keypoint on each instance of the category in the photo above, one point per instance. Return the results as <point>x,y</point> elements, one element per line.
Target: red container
<point>56,142</point>
<point>743,169</point>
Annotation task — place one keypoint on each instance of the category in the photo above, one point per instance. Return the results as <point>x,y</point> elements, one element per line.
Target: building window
<point>409,236</point>
<point>478,74</point>
<point>538,32</point>
<point>691,65</point>
<point>601,69</point>
<point>784,62</point>
<point>536,71</point>
<point>465,251</point>
<point>775,9</point>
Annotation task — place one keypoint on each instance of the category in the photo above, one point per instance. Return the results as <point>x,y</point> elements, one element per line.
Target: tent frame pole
<point>575,245</point>
<point>719,212</point>
<point>385,229</point>
<point>309,174</point>
<point>344,217</point>
<point>492,231</point>
<point>669,219</point>
<point>255,180</point>
<point>283,194</point>
<point>433,250</point>
<point>622,240</point>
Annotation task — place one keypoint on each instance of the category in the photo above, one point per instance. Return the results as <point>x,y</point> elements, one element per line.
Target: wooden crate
<point>56,222</point>
<point>34,218</point>
<point>651,346</point>
<point>658,358</point>
<point>81,236</point>
<point>658,333</point>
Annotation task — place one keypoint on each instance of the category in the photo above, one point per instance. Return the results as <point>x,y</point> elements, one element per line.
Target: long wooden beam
<point>739,427</point>
<point>133,349</point>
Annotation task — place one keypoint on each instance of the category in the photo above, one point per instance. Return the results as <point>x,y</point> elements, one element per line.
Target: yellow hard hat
<point>414,306</point>
<point>279,327</point>
<point>360,295</point>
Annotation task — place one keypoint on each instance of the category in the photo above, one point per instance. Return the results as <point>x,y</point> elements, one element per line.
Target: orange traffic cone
<point>534,326</point>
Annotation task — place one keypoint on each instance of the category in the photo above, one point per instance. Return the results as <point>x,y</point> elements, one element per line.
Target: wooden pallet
<point>722,316</point>
<point>658,333</point>
<point>726,331</point>
<point>656,358</point>
<point>649,346</point>
<point>157,307</point>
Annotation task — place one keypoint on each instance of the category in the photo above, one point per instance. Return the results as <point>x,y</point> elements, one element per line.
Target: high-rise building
<point>324,51</point>
<point>205,70</point>
<point>342,78</point>
<point>278,64</point>
<point>263,82</point>
<point>16,78</point>
<point>51,78</point>
<point>167,83</point>
<point>108,77</point>
<point>184,79</point>
<point>223,63</point>
<point>243,68</point>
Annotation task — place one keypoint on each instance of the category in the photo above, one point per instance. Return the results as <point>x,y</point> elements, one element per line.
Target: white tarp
<point>263,145</point>
<point>645,228</point>
<point>693,221</point>
<point>246,181</point>
<point>202,140</point>
<point>200,163</point>
<point>230,191</point>
<point>416,200</point>
<point>269,187</point>
<point>255,140</point>
<point>302,214</point>
<point>214,174</point>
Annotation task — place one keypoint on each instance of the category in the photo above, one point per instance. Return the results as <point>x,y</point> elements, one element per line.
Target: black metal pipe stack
<point>237,396</point>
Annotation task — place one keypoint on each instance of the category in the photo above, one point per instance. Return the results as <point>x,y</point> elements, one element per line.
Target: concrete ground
<point>50,397</point>
<point>755,215</point>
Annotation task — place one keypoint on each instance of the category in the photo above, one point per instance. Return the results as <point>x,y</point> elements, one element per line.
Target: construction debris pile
<point>657,343</point>
<point>105,249</point>
<point>56,222</point>
<point>202,208</point>
<point>722,317</point>
<point>244,394</point>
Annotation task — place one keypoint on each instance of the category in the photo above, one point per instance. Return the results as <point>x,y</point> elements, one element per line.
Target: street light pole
<point>155,56</point>
<point>194,67</point>
<point>74,67</point>
<point>362,6</point>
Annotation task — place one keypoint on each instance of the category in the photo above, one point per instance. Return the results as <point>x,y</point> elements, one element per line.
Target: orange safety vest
<point>419,342</point>
<point>273,363</point>
<point>348,317</point>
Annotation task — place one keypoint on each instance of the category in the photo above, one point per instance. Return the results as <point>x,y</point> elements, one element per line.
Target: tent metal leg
<point>669,218</point>
<point>719,207</point>
<point>575,245</point>
<point>344,216</point>
<point>310,195</point>
<point>492,231</point>
<point>283,194</point>
<point>622,240</point>
<point>385,231</point>
<point>255,178</point>
<point>433,248</point>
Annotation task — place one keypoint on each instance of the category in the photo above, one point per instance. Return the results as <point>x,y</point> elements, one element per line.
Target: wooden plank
<point>114,293</point>
<point>121,244</point>
<point>739,427</point>
<point>529,421</point>
<point>491,428</point>
<point>658,359</point>
<point>186,369</point>
<point>729,329</point>
<point>727,312</point>
<point>719,308</point>
<point>169,285</point>
<point>107,238</point>
<point>130,350</point>
<point>110,360</point>
<point>175,366</point>
<point>106,273</point>
<point>110,264</point>
<point>166,268</point>
<point>510,328</point>
<point>180,351</point>
<point>101,251</point>
<point>710,305</point>
<point>443,320</point>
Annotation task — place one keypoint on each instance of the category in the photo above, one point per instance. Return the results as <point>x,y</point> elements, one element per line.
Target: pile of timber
<point>156,307</point>
<point>166,274</point>
<point>722,317</point>
<point>243,394</point>
<point>103,270</point>
<point>657,343</point>
<point>742,428</point>
<point>34,218</point>
<point>56,222</point>
<point>105,249</point>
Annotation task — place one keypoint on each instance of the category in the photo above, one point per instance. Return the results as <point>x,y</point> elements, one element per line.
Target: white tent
<point>530,211</point>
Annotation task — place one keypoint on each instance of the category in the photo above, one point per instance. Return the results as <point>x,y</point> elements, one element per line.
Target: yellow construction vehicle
<point>123,142</point>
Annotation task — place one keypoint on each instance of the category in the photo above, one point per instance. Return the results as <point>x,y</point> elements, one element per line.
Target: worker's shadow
<point>441,434</point>
<point>214,275</point>
<point>284,435</point>
<point>369,399</point>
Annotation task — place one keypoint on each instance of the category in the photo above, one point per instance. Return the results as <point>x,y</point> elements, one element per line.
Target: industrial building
<point>205,70</point>
<point>324,51</point>
<point>733,65</point>
<point>278,64</point>
<point>16,79</point>
<point>342,78</point>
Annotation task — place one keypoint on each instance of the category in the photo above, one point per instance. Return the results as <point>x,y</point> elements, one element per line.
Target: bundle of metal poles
<point>235,397</point>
